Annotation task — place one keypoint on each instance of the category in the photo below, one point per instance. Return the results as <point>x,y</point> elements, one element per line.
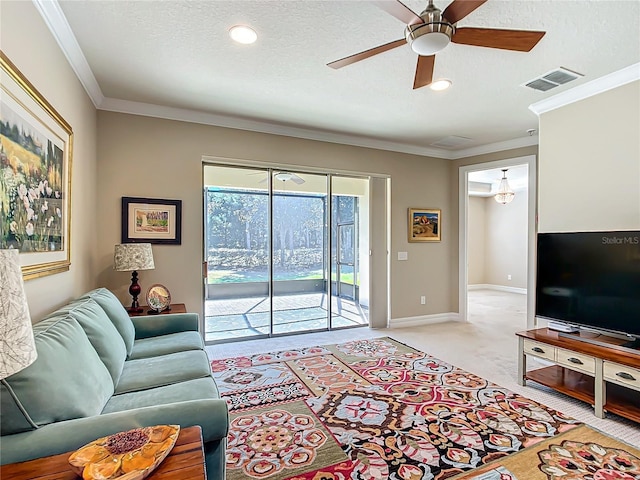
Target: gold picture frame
<point>424,224</point>
<point>36,146</point>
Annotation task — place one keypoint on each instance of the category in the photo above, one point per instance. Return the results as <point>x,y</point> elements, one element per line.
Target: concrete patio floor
<point>242,318</point>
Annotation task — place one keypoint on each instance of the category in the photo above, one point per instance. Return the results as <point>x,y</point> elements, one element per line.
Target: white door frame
<point>463,219</point>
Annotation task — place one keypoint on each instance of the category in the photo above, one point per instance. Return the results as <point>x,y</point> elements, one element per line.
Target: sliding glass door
<point>283,252</point>
<point>299,252</point>
<point>349,251</point>
<point>237,253</point>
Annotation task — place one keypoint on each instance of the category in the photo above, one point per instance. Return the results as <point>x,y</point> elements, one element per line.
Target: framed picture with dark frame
<point>151,220</point>
<point>424,225</point>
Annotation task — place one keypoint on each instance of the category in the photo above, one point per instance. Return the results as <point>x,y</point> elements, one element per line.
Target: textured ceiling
<point>178,54</point>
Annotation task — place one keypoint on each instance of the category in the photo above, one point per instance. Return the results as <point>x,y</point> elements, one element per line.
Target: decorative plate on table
<point>130,455</point>
<point>158,297</point>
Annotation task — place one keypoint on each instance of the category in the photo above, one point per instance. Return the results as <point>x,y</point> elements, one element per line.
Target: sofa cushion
<point>116,313</point>
<point>166,344</point>
<point>101,333</point>
<point>152,372</point>
<point>200,388</point>
<point>68,380</point>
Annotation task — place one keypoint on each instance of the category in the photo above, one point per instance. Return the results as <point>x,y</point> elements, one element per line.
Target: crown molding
<point>56,21</point>
<point>227,121</point>
<point>599,85</point>
<point>495,147</point>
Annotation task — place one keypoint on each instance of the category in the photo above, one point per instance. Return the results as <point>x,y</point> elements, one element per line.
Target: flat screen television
<point>590,279</point>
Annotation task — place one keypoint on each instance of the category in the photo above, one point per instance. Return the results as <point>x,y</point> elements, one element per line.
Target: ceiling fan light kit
<point>283,176</point>
<point>433,35</point>
<point>287,177</point>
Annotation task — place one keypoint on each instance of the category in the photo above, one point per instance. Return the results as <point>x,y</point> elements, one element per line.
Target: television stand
<point>591,367</point>
<point>632,344</point>
<point>589,336</point>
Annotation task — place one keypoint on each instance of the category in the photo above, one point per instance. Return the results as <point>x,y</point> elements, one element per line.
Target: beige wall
<point>26,40</point>
<point>589,168</point>
<point>497,241</point>
<point>147,157</point>
<point>506,241</point>
<point>477,232</point>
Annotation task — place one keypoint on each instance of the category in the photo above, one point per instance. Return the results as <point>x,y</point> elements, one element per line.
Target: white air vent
<point>451,141</point>
<point>552,79</point>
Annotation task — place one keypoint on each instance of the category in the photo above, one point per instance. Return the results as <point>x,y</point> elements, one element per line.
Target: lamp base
<point>134,291</point>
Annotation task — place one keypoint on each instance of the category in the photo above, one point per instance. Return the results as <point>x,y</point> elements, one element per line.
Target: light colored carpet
<point>486,346</point>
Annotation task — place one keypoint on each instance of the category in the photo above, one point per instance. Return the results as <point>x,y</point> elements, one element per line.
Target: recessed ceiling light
<point>243,34</point>
<point>440,85</point>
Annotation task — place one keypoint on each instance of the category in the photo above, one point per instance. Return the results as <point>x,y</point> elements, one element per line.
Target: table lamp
<point>17,345</point>
<point>131,257</point>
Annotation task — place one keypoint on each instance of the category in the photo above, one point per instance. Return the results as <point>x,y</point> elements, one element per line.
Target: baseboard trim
<point>424,320</point>
<point>500,288</point>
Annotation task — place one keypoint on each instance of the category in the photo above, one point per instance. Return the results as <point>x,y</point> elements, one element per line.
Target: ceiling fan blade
<point>297,179</point>
<point>518,40</point>
<point>399,10</point>
<point>424,71</point>
<point>458,9</point>
<point>343,62</point>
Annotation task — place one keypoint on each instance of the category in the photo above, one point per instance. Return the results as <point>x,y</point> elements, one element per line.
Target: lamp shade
<point>17,345</point>
<point>133,256</point>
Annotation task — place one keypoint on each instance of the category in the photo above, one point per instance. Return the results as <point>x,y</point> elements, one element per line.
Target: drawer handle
<point>537,350</point>
<point>626,376</point>
<point>577,361</point>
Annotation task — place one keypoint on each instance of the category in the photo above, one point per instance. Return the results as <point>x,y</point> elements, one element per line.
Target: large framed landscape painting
<point>424,225</point>
<point>151,220</point>
<point>35,176</point>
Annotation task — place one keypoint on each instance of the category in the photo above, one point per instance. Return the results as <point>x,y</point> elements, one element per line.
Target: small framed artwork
<point>151,220</point>
<point>424,225</point>
<point>36,146</point>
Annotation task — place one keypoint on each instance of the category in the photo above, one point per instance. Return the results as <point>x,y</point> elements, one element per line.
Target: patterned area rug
<point>378,409</point>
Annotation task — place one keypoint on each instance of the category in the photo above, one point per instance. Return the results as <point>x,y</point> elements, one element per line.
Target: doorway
<point>282,251</point>
<point>510,251</point>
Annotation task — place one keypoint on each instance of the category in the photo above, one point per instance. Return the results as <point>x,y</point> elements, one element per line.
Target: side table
<point>174,308</point>
<point>184,462</point>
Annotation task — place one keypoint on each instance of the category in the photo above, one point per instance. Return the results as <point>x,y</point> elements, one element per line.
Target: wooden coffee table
<point>185,462</point>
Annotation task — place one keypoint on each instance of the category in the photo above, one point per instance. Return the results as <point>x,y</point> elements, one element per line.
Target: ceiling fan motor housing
<point>431,36</point>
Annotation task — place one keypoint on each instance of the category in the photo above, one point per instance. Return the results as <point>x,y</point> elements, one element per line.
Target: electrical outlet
<point>423,300</point>
<point>508,277</point>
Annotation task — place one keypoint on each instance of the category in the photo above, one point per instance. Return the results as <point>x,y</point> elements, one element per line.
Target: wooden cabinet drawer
<point>539,350</point>
<point>621,374</point>
<point>576,361</point>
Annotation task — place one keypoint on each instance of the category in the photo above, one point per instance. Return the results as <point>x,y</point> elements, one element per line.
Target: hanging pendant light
<point>505,194</point>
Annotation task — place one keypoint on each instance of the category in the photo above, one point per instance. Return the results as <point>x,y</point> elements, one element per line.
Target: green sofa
<point>99,372</point>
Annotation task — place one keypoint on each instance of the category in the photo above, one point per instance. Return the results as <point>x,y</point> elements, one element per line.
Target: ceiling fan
<point>432,30</point>
<point>286,177</point>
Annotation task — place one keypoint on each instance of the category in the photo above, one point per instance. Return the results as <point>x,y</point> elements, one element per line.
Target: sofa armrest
<point>154,325</point>
<point>61,437</point>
